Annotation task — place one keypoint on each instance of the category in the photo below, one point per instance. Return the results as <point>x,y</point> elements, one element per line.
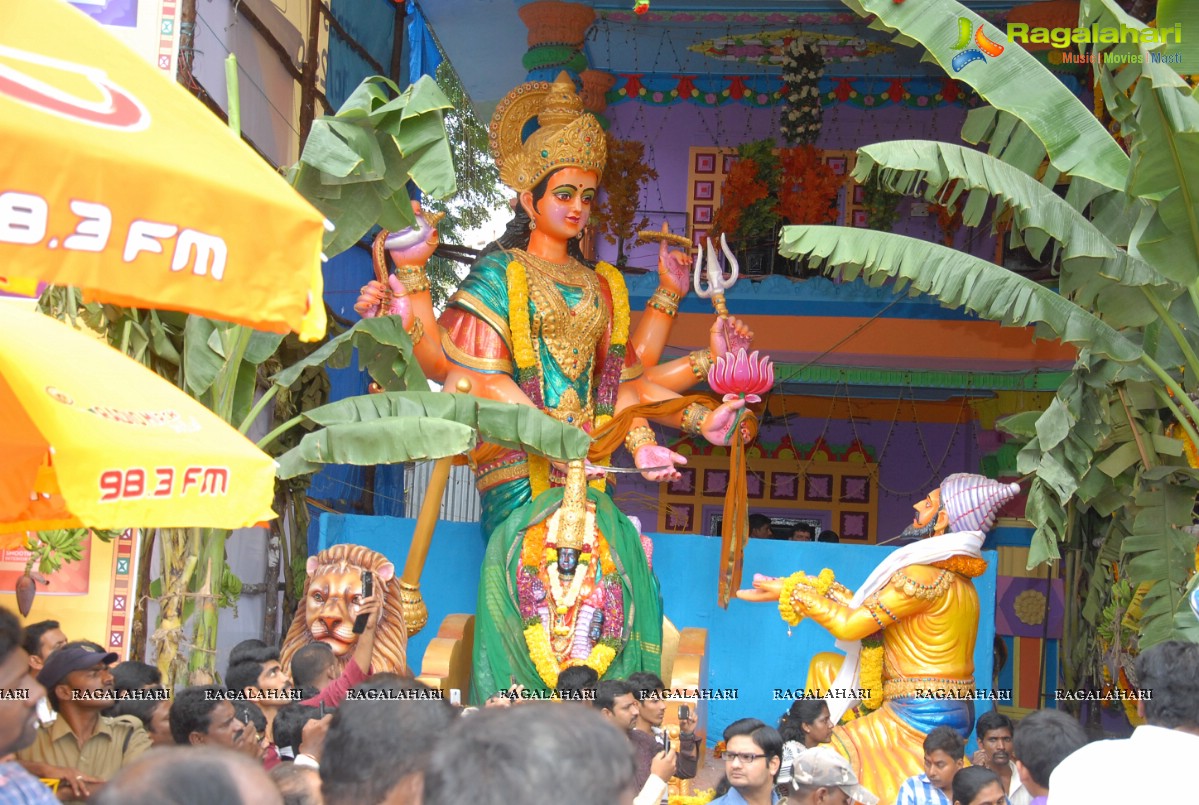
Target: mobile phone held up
<point>368,589</point>
<point>684,713</point>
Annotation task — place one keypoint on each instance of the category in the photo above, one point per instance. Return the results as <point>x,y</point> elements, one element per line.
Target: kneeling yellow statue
<point>908,633</point>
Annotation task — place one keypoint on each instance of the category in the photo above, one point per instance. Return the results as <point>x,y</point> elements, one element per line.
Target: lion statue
<point>330,605</point>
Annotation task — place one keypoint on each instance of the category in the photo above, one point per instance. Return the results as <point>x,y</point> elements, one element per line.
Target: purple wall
<point>906,474</point>
<point>670,131</point>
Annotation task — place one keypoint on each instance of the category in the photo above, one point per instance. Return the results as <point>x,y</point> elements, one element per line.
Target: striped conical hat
<point>972,501</point>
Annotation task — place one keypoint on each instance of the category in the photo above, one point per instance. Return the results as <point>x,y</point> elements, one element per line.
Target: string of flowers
<point>871,670</point>
<point>803,113</point>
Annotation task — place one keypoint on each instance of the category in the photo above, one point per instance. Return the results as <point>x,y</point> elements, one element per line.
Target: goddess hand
<point>654,455</point>
<point>717,426</point>
<point>374,296</point>
<point>729,335</point>
<point>674,270</point>
<point>417,254</point>
<point>766,588</point>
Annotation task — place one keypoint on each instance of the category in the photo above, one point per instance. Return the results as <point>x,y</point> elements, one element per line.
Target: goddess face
<point>562,213</point>
<point>568,560</point>
<point>331,606</point>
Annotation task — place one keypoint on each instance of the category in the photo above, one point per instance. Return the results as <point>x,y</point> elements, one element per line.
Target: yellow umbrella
<point>117,181</point>
<point>92,438</point>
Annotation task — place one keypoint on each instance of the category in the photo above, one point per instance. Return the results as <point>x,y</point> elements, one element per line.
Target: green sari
<point>500,652</point>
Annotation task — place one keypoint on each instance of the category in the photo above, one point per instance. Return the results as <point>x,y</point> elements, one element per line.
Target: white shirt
<point>1017,794</point>
<point>1154,765</point>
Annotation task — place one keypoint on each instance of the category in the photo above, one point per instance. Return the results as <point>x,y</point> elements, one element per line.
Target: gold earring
<point>532,224</point>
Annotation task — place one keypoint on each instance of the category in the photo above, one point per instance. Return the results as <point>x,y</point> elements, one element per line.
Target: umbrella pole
<point>416,615</point>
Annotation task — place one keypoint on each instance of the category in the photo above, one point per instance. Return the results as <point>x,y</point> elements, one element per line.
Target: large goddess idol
<point>535,324</point>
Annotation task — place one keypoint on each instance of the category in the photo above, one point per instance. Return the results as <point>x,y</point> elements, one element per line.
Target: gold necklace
<point>571,334</point>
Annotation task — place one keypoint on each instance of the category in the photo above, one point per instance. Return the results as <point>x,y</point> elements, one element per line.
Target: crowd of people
<point>74,719</point>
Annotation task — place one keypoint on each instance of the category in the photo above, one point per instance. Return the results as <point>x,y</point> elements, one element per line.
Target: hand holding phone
<point>368,589</point>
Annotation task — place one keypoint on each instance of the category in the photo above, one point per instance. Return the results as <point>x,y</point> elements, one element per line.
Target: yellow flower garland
<point>620,302</point>
<point>541,654</point>
<point>518,317</point>
<point>870,673</point>
<point>600,658</point>
<point>820,584</point>
<point>699,798</point>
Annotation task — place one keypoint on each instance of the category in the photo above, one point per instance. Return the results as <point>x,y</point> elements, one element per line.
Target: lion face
<point>331,607</point>
<point>332,597</point>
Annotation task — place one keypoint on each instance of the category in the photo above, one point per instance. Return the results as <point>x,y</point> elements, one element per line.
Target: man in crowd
<point>18,717</point>
<point>752,757</point>
<point>41,639</point>
<point>994,732</point>
<point>190,776</point>
<point>760,527</point>
<point>531,753</point>
<point>259,677</point>
<point>316,662</point>
<point>647,735</point>
<point>820,776</point>
<point>1042,741</point>
<point>1162,752</point>
<point>203,715</point>
<point>803,532</point>
<point>376,751</point>
<point>81,747</point>
<point>577,684</point>
<point>616,700</point>
<point>944,756</point>
<point>299,785</point>
<point>296,739</point>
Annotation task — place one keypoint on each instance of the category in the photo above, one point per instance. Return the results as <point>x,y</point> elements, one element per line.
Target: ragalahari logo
<point>111,107</point>
<point>983,46</point>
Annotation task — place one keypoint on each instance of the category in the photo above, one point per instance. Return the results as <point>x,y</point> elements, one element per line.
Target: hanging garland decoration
<point>803,67</point>
<point>767,91</point>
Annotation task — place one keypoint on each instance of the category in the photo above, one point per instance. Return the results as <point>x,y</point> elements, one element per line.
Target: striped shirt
<point>919,791</point>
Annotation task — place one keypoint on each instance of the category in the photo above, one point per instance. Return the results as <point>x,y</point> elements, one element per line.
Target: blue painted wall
<point>748,645</point>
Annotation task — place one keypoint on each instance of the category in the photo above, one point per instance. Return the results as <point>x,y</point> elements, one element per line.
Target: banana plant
<point>1109,479</point>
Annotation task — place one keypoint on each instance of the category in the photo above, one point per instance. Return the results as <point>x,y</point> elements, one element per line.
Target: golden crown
<point>567,137</point>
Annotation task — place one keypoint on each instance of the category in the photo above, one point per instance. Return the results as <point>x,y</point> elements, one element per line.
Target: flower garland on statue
<point>528,363</point>
<point>599,619</point>
<point>821,584</point>
<point>870,670</point>
<point>803,113</point>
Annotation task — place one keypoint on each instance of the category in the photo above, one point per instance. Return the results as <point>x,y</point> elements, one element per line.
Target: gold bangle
<point>416,332</point>
<point>665,301</point>
<point>693,418</point>
<point>413,278</point>
<point>639,437</point>
<point>701,363</point>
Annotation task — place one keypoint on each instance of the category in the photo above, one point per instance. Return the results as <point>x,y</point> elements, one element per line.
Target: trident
<point>717,283</point>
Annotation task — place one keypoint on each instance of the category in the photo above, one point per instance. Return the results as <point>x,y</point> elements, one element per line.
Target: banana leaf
<point>384,350</point>
<point>357,163</point>
<point>1014,82</point>
<point>957,280</point>
<point>347,422</point>
<point>1160,553</point>
<point>1162,120</point>
<point>1090,262</point>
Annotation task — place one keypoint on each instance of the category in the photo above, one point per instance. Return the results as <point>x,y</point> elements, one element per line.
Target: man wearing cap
<point>918,613</point>
<point>819,776</point>
<point>81,747</point>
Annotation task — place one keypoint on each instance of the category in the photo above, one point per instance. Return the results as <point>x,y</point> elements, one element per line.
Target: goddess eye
<point>317,597</point>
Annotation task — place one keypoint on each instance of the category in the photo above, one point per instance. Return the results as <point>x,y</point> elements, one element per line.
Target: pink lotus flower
<point>739,376</point>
